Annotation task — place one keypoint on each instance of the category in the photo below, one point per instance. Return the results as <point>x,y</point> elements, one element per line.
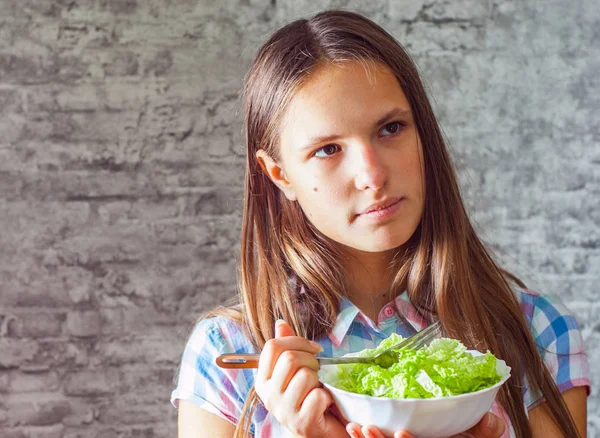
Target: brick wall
<point>121,179</point>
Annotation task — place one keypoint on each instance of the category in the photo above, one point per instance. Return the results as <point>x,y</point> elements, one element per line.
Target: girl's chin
<point>376,249</point>
<point>374,246</point>
<point>370,242</point>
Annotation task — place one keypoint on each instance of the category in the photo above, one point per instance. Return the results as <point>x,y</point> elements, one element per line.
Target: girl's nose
<point>371,172</point>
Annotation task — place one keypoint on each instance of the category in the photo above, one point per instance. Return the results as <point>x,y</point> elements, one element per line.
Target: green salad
<point>442,369</point>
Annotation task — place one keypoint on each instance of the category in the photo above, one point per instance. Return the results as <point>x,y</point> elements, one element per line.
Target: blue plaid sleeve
<point>559,341</point>
<point>202,382</point>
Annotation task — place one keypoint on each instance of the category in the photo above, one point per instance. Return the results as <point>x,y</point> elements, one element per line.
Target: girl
<point>354,228</point>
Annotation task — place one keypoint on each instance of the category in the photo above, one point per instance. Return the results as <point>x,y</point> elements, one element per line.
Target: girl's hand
<point>289,387</point>
<point>490,426</point>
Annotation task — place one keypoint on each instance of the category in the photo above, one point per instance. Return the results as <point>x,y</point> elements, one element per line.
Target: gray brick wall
<point>121,179</point>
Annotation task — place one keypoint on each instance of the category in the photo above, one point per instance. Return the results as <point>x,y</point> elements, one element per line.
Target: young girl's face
<point>349,145</point>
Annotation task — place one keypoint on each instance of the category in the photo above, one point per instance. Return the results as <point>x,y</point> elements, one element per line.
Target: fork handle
<point>236,360</point>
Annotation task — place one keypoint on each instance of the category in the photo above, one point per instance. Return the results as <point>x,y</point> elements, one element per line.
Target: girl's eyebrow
<point>394,112</point>
<point>403,112</point>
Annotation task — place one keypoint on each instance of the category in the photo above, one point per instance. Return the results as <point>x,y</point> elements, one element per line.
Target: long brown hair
<point>444,267</point>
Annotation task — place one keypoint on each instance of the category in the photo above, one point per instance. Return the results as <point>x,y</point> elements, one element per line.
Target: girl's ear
<point>276,174</point>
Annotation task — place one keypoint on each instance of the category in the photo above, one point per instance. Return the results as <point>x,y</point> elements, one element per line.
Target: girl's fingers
<point>334,410</point>
<point>372,432</point>
<point>282,329</point>
<point>354,430</point>
<point>489,426</point>
<point>315,404</point>
<point>275,347</point>
<point>289,363</point>
<point>304,381</point>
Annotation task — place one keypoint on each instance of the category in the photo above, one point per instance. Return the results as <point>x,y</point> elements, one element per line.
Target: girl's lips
<point>383,213</point>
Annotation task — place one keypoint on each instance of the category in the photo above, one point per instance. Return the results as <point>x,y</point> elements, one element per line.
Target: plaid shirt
<point>223,391</point>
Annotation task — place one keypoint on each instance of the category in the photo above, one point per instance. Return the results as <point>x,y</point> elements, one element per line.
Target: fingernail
<point>316,345</point>
<point>279,321</point>
<point>352,433</point>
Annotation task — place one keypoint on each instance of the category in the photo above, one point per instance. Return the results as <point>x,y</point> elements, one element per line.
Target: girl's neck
<point>369,280</point>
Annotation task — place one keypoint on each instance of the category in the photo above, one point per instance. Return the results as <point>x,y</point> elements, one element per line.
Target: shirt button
<point>388,311</point>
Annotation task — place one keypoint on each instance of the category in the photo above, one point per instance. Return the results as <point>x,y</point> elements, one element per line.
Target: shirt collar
<point>344,320</point>
<point>348,313</point>
<point>407,311</point>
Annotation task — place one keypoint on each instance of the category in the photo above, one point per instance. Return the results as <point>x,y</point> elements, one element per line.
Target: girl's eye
<point>327,151</point>
<point>393,128</point>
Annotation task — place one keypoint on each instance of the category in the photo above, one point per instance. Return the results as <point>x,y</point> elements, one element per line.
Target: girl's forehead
<point>341,96</point>
<point>367,74</point>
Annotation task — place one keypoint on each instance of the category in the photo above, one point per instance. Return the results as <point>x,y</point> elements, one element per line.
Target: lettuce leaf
<point>442,369</point>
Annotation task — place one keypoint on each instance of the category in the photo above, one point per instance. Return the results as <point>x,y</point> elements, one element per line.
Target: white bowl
<point>424,418</point>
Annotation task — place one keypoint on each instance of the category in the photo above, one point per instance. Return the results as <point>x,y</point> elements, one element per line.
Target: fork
<point>384,358</point>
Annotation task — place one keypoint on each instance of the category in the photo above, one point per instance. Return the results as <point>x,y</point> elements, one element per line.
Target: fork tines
<point>422,338</point>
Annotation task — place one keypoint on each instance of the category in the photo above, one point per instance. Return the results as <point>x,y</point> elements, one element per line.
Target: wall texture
<point>121,178</point>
